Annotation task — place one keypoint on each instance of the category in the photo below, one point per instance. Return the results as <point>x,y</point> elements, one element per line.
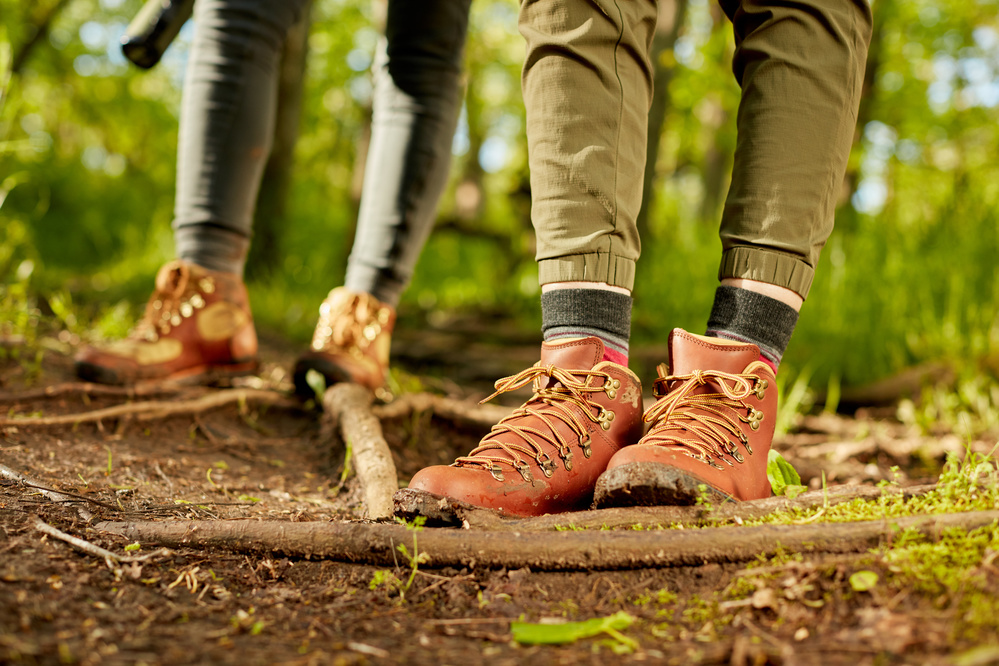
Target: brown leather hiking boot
<point>351,342</point>
<point>712,427</point>
<point>197,327</point>
<point>546,456</point>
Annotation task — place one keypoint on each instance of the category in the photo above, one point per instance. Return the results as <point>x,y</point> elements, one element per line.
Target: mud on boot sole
<point>652,484</point>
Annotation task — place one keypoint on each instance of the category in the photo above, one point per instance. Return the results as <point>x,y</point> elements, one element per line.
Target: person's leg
<point>417,101</point>
<point>801,67</point>
<point>587,85</point>
<point>416,105</point>
<point>227,126</point>
<point>796,125</point>
<point>198,323</point>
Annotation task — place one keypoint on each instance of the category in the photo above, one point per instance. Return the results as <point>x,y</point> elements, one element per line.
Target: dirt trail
<point>251,460</point>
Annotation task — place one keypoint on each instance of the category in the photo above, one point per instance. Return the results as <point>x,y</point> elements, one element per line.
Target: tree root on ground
<point>563,551</point>
<point>349,407</point>
<point>90,389</point>
<point>447,511</point>
<point>450,409</point>
<point>160,409</point>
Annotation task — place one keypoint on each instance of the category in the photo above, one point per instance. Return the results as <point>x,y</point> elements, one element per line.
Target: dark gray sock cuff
<point>744,315</point>
<point>213,247</point>
<point>591,308</point>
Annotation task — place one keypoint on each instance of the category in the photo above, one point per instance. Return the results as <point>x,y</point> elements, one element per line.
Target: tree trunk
<point>269,220</point>
<point>671,19</point>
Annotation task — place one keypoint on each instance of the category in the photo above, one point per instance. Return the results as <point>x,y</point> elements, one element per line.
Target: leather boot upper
<point>714,416</point>
<point>197,322</point>
<point>351,341</point>
<point>547,455</point>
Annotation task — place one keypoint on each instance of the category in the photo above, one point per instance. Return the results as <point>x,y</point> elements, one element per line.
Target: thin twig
<point>48,493</point>
<point>91,549</point>
<point>156,466</point>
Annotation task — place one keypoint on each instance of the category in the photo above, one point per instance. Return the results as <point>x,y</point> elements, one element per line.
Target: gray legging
<point>227,121</point>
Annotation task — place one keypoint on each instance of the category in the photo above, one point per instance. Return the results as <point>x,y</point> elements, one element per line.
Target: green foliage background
<point>87,150</point>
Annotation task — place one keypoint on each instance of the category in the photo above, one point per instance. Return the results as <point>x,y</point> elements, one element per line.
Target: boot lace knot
<point>703,425</point>
<point>350,321</point>
<point>534,425</point>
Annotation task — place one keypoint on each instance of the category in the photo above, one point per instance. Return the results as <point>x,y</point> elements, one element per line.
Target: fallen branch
<point>442,510</point>
<point>349,407</point>
<point>91,549</point>
<point>563,551</point>
<point>160,409</point>
<point>458,411</point>
<point>90,389</point>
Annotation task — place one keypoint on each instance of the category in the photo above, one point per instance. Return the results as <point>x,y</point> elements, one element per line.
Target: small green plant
<point>384,578</point>
<point>317,382</point>
<point>784,479</point>
<point>704,498</point>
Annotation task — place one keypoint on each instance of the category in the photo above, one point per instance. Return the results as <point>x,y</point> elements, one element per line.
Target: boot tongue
<point>689,352</point>
<point>172,278</point>
<point>581,354</point>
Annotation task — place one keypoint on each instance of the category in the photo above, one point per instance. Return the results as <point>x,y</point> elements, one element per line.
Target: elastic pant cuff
<point>776,268</point>
<point>615,270</point>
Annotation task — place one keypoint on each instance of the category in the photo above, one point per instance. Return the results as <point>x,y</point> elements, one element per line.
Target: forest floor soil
<point>277,463</point>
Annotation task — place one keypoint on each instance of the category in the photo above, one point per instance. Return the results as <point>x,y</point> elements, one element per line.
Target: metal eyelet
<point>524,470</point>
<point>734,452</point>
<point>566,459</point>
<point>755,416</point>
<point>612,387</point>
<point>497,472</point>
<point>547,466</point>
<point>605,418</point>
<point>585,445</point>
<point>760,388</point>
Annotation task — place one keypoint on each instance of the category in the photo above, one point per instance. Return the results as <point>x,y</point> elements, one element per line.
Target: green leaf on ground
<point>529,633</point>
<point>863,581</point>
<point>782,475</point>
<point>317,382</point>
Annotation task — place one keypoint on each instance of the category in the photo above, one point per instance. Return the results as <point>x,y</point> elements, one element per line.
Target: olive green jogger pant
<point>587,85</point>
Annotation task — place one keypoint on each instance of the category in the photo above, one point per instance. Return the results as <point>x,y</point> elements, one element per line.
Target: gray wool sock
<point>747,316</point>
<point>576,313</point>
